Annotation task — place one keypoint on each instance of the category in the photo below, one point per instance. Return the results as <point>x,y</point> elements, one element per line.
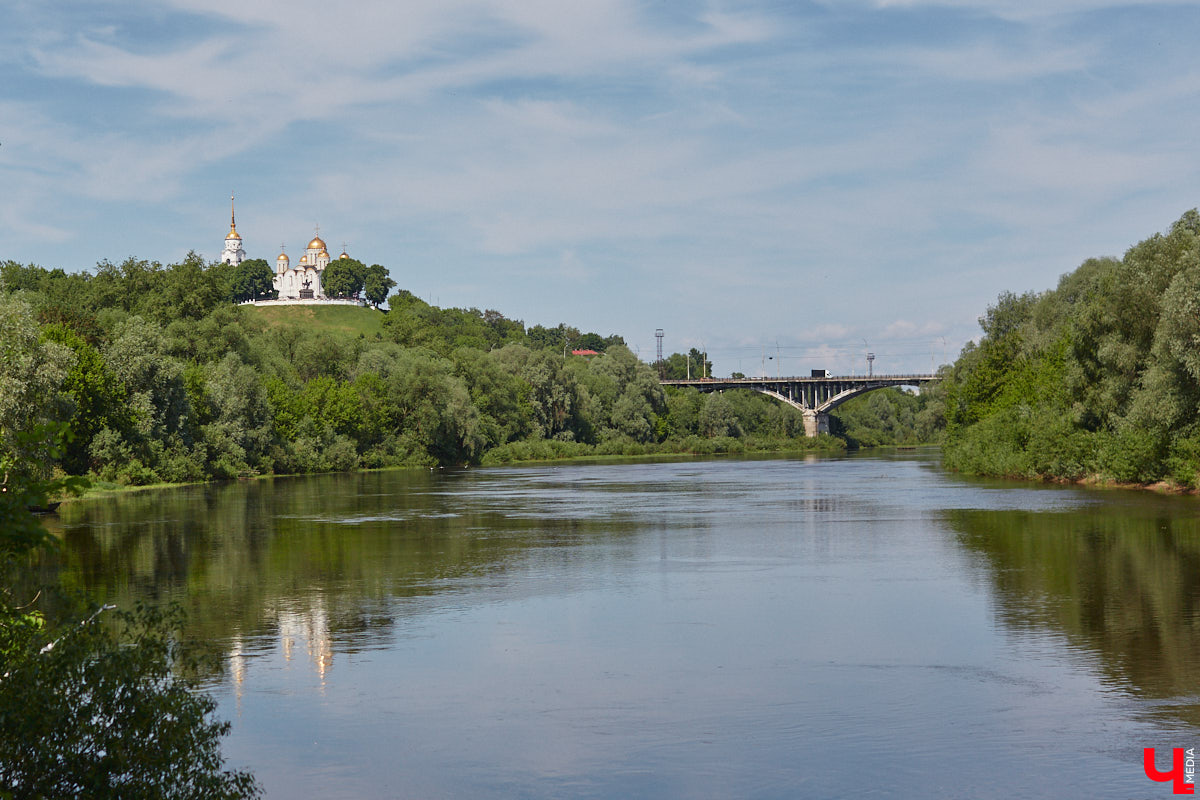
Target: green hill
<point>341,319</point>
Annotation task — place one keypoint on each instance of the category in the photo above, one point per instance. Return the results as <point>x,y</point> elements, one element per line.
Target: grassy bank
<point>352,320</point>
<point>551,450</point>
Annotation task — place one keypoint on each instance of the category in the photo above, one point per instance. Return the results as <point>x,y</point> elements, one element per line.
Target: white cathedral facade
<point>301,281</point>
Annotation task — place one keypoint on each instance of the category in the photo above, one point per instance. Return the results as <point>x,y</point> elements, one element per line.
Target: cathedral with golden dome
<point>302,281</point>
<point>299,281</point>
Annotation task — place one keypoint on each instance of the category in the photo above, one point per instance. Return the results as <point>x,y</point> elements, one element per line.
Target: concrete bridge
<point>815,397</point>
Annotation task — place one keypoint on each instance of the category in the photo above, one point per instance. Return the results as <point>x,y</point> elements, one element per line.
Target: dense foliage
<point>1096,379</point>
<point>891,417</point>
<point>160,376</point>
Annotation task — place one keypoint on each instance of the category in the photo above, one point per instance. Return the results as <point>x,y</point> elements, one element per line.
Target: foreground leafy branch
<point>102,704</point>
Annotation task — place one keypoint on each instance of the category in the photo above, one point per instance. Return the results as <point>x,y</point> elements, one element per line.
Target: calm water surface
<point>781,628</point>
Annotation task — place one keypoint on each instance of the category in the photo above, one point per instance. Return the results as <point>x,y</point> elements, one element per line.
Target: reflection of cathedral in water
<point>301,635</point>
<point>311,631</point>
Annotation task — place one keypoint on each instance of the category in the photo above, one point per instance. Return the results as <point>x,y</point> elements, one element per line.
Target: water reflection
<point>1120,581</point>
<point>324,563</point>
<point>330,563</point>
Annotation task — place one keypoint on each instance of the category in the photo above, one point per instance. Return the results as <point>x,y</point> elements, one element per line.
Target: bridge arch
<point>816,420</point>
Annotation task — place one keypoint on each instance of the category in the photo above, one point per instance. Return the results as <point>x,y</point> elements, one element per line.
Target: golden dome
<point>343,255</point>
<point>316,244</point>
<point>283,257</point>
<point>323,254</point>
<point>233,234</point>
<point>303,259</point>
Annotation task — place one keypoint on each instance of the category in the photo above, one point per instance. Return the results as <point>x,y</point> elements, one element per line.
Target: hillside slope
<point>335,318</point>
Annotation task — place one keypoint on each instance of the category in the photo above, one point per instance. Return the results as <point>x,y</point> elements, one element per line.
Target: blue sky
<point>794,179</point>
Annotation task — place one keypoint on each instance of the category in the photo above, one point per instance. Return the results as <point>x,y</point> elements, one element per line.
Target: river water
<point>734,628</point>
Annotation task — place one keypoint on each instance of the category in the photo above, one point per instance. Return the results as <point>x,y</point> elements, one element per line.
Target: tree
<point>238,430</point>
<point>430,408</point>
<point>344,277</point>
<point>717,417</point>
<point>678,366</point>
<point>95,710</point>
<point>97,397</point>
<point>556,338</point>
<point>590,341</point>
<point>627,392</point>
<point>187,289</point>
<point>138,358</point>
<point>32,373</point>
<point>253,279</point>
<point>504,413</point>
<point>553,394</point>
<point>86,710</point>
<point>1095,378</point>
<point>377,284</point>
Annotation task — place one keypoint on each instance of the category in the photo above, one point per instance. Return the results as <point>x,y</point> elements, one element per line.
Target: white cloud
<point>904,329</point>
<point>823,332</point>
<point>1021,10</point>
<point>993,62</point>
<point>766,169</point>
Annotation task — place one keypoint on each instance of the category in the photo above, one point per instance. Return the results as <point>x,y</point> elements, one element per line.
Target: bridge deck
<point>815,397</point>
<point>911,379</point>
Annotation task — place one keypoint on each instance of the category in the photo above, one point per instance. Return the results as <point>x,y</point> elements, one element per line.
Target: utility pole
<point>658,334</point>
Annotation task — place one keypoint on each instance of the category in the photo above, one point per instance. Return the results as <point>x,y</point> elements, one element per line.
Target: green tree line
<point>1098,378</point>
<point>159,376</point>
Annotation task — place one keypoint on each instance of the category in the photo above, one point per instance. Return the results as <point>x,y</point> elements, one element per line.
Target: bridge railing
<point>804,379</point>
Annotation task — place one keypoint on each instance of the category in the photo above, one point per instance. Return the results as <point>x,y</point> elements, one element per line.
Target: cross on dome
<point>317,242</point>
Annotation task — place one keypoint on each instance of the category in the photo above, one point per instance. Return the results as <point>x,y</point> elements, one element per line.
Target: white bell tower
<point>233,252</point>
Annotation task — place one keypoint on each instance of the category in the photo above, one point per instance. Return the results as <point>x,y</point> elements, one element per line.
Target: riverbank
<point>552,450</point>
<point>539,452</point>
<point>1163,487</point>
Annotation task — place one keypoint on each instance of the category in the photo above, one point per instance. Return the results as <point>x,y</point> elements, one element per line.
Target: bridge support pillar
<point>815,422</point>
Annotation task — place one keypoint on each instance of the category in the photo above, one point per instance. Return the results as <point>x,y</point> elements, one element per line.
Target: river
<point>732,628</point>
